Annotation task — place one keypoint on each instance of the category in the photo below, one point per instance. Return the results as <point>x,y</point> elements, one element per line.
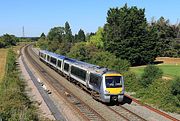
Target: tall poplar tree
<point>68,33</point>
<point>81,36</point>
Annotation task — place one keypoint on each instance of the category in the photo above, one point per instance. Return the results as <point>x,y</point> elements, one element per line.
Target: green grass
<point>169,70</point>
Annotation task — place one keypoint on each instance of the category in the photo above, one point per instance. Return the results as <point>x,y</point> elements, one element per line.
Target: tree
<point>55,38</point>
<point>151,73</point>
<point>175,90</point>
<point>88,35</point>
<point>165,36</point>
<point>109,60</point>
<point>43,35</point>
<point>68,33</point>
<point>56,34</point>
<point>2,43</point>
<point>42,42</point>
<point>81,36</point>
<point>97,38</point>
<point>82,51</point>
<point>8,40</point>
<point>125,35</point>
<point>89,53</point>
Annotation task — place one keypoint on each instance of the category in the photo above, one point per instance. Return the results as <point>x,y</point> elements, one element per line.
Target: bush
<point>175,87</point>
<point>89,53</point>
<point>82,51</point>
<point>107,59</point>
<point>150,74</point>
<point>159,94</point>
<point>131,82</point>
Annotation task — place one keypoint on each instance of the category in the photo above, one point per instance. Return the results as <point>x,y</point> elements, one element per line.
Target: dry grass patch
<point>3,54</point>
<point>168,60</point>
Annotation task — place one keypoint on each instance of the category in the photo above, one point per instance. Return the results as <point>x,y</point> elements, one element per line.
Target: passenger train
<point>103,84</point>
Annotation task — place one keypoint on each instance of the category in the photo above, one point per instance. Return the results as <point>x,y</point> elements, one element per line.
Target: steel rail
<point>84,110</point>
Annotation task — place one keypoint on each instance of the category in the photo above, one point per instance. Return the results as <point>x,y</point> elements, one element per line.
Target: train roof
<point>53,54</point>
<point>70,60</point>
<point>91,67</point>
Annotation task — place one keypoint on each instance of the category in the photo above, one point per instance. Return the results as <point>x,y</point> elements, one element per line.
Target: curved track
<point>81,107</point>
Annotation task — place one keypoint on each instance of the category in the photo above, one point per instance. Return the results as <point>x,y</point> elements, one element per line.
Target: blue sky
<point>39,16</point>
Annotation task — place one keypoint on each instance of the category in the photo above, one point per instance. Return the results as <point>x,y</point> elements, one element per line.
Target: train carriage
<point>102,83</point>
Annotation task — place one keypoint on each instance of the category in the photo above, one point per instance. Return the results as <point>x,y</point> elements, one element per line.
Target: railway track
<point>127,114</point>
<point>84,110</point>
<point>80,106</point>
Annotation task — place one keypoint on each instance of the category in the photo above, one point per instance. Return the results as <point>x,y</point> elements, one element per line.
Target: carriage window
<point>80,73</point>
<point>53,60</point>
<point>59,63</point>
<point>95,80</point>
<point>43,55</point>
<point>48,58</point>
<point>66,67</point>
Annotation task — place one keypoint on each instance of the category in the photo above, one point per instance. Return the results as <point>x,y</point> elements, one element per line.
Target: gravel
<point>34,94</point>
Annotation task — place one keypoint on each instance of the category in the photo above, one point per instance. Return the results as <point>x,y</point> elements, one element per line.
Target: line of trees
<point>60,39</point>
<point>8,40</point>
<point>126,34</point>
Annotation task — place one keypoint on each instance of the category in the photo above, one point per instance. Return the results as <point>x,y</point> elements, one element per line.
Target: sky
<point>39,16</point>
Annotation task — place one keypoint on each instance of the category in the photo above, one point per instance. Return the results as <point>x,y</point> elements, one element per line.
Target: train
<point>102,83</point>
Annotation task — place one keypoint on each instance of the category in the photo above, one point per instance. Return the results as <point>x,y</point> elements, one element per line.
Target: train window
<point>95,80</point>
<point>48,58</point>
<point>44,56</point>
<point>59,63</point>
<point>53,60</point>
<point>66,67</point>
<point>113,81</point>
<point>80,73</point>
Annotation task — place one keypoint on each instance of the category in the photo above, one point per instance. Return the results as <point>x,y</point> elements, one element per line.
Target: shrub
<point>175,87</point>
<point>82,51</point>
<point>151,73</point>
<point>131,82</point>
<point>107,59</point>
<point>89,53</point>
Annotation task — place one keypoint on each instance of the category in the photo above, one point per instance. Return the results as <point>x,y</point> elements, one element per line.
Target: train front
<point>113,87</point>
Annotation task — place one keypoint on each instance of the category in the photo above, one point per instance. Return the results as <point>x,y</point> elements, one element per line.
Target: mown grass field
<point>169,70</point>
<point>3,54</point>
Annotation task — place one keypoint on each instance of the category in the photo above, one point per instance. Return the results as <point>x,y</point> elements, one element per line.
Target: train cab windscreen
<point>113,81</point>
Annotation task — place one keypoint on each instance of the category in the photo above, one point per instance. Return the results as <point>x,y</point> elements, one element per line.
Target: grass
<point>3,55</point>
<point>160,93</point>
<point>169,70</point>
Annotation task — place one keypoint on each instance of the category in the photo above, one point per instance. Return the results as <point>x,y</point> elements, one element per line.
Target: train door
<point>87,79</point>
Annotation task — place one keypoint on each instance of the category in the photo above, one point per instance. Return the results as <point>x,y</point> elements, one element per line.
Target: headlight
<point>107,92</point>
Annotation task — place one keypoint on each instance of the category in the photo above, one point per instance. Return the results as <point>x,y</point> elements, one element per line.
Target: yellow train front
<point>113,87</point>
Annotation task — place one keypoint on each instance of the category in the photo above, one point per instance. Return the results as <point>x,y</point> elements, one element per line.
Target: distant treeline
<point>8,40</point>
<point>126,35</point>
